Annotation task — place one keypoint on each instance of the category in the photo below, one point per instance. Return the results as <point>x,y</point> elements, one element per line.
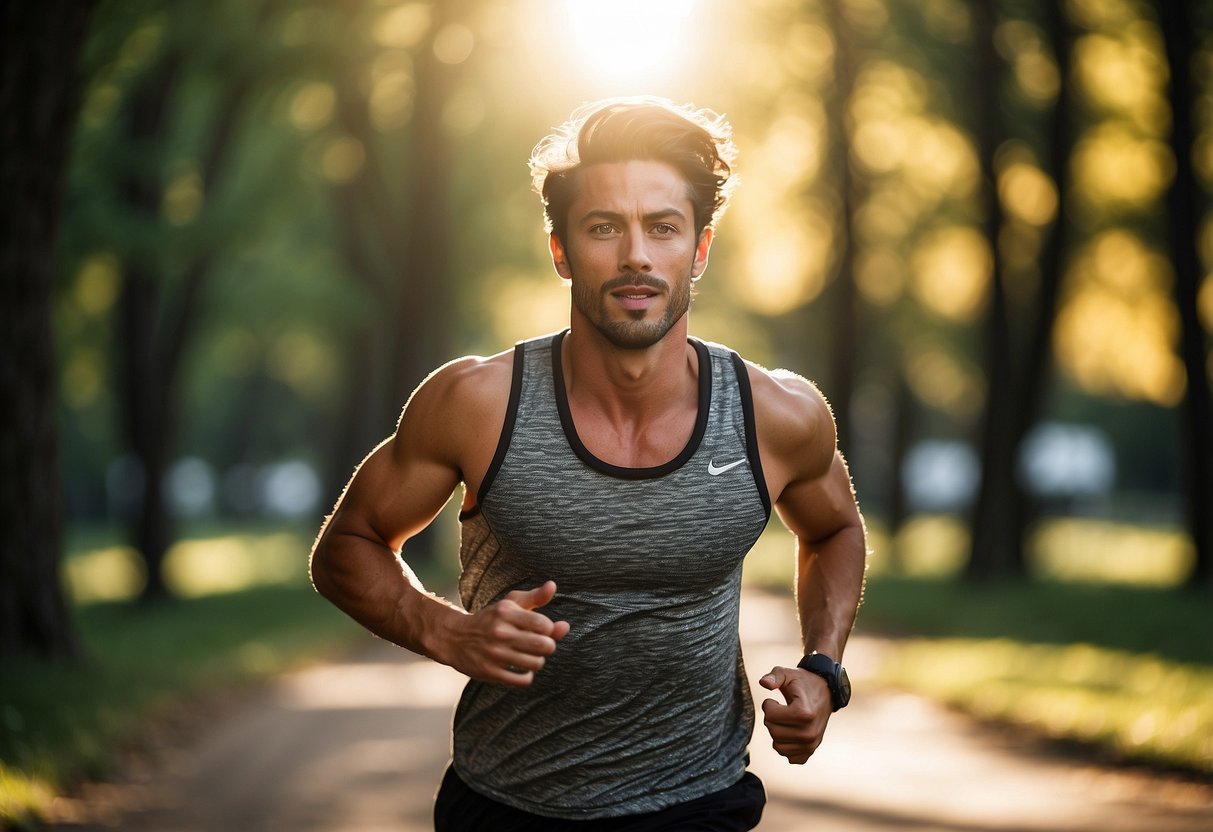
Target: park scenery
<point>239,233</point>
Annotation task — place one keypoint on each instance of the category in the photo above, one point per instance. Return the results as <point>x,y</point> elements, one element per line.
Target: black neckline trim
<point>583,453</point>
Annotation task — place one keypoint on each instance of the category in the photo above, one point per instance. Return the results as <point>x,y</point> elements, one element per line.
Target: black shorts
<point>458,808</point>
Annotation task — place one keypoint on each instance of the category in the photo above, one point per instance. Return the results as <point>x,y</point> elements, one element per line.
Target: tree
<point>38,96</point>
<point>846,324</point>
<point>393,231</point>
<point>1176,19</point>
<point>997,536</point>
<point>159,305</point>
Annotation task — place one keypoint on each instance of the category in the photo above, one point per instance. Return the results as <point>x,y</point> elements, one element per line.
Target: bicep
<point>396,492</point>
<point>817,507</point>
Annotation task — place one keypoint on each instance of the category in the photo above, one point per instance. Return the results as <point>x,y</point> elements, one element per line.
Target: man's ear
<point>559,257</point>
<point>701,252</point>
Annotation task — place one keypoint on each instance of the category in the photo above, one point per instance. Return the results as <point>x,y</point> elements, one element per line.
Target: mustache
<point>645,280</point>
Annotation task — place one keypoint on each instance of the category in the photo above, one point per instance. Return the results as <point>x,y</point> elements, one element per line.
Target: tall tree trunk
<point>157,321</point>
<point>141,384</point>
<point>39,95</point>
<point>1176,19</point>
<point>422,337</point>
<point>844,358</point>
<point>400,255</point>
<point>997,519</point>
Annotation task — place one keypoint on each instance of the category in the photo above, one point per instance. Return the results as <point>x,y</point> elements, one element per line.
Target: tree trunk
<point>141,385</point>
<point>997,524</point>
<point>1197,406</point>
<point>39,94</point>
<point>844,358</point>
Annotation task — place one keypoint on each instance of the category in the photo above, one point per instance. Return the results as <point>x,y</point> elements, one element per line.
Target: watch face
<point>844,686</point>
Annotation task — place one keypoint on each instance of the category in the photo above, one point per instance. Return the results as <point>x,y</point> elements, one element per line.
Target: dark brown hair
<point>697,143</point>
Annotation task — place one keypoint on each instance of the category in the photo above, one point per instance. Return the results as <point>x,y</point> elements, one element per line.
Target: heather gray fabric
<point>645,703</point>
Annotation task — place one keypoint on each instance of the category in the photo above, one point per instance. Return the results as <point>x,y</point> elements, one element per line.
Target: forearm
<point>367,581</point>
<point>829,588</point>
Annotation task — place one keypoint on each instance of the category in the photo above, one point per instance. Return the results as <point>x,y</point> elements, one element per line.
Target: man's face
<point>631,251</point>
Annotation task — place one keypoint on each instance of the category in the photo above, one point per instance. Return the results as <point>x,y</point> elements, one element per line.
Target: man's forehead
<point>658,185</point>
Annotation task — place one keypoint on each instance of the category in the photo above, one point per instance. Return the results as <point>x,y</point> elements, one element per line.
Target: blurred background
<point>981,228</point>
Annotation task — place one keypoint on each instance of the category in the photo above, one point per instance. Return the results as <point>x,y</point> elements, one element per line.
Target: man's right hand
<point>507,641</point>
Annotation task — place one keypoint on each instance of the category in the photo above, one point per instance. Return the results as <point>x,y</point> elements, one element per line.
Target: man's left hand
<point>796,727</point>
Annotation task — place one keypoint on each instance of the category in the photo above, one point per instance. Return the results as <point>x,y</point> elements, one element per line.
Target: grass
<point>59,723</point>
<point>1126,671</point>
<point>1101,650</point>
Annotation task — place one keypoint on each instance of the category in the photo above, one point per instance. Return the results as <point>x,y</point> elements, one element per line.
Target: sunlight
<point>629,38</point>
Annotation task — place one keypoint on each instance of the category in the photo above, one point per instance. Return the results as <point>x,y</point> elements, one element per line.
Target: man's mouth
<point>634,298</point>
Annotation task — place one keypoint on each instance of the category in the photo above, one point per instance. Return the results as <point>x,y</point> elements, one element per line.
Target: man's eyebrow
<point>616,216</point>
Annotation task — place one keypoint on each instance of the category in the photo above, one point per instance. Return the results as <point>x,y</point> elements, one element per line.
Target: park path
<point>359,745</point>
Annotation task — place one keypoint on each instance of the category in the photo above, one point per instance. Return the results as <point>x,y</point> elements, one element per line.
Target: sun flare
<point>629,39</point>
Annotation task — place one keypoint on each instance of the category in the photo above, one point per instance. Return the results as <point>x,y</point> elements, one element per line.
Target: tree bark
<point>996,528</point>
<point>1197,407</point>
<point>39,96</point>
<point>844,357</point>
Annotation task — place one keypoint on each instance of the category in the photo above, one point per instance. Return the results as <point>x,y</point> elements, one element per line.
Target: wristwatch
<point>834,674</point>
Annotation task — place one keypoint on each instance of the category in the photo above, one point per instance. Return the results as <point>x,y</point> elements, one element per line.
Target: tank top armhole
<point>507,433</point>
<point>751,429</point>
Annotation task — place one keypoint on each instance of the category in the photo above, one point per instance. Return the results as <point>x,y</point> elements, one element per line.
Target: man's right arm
<point>396,492</point>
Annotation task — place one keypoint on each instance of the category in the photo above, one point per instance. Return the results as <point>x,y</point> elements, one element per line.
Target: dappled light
<point>1124,72</point>
<point>784,265</point>
<point>404,25</point>
<point>1023,45</point>
<point>524,303</point>
<point>393,88</point>
<point>951,272</point>
<point>194,568</point>
<point>942,380</point>
<point>1116,331</point>
<point>1114,164</point>
<point>312,105</point>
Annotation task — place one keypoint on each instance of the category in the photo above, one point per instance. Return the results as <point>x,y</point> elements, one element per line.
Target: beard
<point>636,332</point>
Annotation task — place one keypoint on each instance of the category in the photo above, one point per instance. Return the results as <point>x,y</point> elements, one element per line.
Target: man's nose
<point>634,253</point>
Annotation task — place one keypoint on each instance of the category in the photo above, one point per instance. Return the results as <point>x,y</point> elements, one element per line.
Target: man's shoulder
<point>469,379</point>
<point>460,393</point>
<point>792,415</point>
<point>783,389</point>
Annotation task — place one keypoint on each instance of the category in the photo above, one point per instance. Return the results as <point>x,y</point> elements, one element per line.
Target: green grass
<point>1126,671</point>
<point>1101,650</point>
<point>59,722</point>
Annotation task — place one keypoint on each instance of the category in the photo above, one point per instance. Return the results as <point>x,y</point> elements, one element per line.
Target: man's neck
<point>630,386</point>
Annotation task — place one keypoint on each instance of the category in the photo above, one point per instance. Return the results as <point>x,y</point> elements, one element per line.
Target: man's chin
<point>634,335</point>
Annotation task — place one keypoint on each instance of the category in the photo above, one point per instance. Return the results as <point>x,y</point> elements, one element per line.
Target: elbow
<point>320,570</point>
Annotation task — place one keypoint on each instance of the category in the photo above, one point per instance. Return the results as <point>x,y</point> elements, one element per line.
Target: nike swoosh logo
<point>717,471</point>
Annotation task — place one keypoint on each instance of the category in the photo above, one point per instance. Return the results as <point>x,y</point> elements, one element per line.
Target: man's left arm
<point>817,504</point>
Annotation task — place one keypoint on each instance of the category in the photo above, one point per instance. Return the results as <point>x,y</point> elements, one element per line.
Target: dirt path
<point>360,745</point>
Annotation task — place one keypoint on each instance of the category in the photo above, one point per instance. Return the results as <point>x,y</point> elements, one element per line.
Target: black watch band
<point>834,674</point>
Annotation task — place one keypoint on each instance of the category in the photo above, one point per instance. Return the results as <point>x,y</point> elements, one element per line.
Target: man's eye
<point>602,228</point>
<point>664,228</point>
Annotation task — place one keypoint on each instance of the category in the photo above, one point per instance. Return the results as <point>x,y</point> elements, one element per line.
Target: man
<point>615,474</point>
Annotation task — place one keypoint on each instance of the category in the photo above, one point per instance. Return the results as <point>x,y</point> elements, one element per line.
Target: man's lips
<point>634,297</point>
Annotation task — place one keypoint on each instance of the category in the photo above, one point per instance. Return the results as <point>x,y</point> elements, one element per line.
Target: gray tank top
<point>645,703</point>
